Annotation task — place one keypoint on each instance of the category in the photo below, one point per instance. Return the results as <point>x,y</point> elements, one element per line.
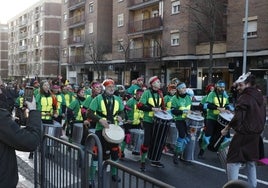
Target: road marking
<point>223,170</point>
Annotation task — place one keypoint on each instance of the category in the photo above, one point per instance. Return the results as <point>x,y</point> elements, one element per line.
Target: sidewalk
<point>26,169</point>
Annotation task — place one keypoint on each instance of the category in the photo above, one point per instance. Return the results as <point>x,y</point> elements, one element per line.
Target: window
<point>252,28</point>
<point>65,16</point>
<point>120,20</point>
<point>175,7</point>
<point>64,52</point>
<point>91,7</point>
<point>64,34</point>
<point>120,45</point>
<point>175,39</point>
<point>90,28</point>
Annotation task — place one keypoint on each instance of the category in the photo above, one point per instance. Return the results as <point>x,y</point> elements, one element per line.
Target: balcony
<point>23,48</point>
<point>73,4</point>
<point>76,21</point>
<point>144,53</point>
<point>23,35</point>
<point>76,59</point>
<point>80,39</point>
<point>139,4</point>
<point>150,24</point>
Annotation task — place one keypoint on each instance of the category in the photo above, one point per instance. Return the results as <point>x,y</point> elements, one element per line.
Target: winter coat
<point>12,138</point>
<point>248,123</point>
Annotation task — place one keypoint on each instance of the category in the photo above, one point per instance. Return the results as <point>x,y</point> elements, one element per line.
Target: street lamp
<point>245,37</point>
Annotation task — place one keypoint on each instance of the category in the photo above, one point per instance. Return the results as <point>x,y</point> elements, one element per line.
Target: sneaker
<point>143,169</point>
<point>91,184</point>
<point>115,178</point>
<point>135,153</point>
<point>31,155</point>
<point>157,164</point>
<point>175,159</point>
<point>201,154</point>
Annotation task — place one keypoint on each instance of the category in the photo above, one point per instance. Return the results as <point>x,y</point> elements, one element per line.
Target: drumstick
<point>218,141</point>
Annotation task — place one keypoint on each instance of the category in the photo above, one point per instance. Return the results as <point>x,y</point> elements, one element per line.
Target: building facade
<point>125,39</point>
<point>33,45</point>
<point>87,39</point>
<point>3,52</point>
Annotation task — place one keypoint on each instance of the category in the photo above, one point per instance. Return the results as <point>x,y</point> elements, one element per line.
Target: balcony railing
<point>73,3</point>
<point>144,25</point>
<point>140,2</point>
<point>76,19</point>
<point>144,53</point>
<point>76,59</point>
<point>76,39</point>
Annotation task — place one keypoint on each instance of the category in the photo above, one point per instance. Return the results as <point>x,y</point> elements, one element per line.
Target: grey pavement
<point>26,170</point>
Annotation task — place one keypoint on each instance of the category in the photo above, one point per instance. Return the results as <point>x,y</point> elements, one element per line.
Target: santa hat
<point>153,79</point>
<point>107,82</point>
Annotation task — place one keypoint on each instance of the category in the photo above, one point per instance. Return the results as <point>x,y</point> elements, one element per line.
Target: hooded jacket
<point>12,138</point>
<point>248,123</point>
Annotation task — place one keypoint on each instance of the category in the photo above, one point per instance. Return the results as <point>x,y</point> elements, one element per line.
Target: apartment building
<point>3,51</point>
<point>257,39</point>
<point>87,39</point>
<point>33,42</point>
<point>157,37</point>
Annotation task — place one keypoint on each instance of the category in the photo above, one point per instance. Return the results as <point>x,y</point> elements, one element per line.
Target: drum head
<point>226,116</point>
<point>163,115</point>
<point>195,116</point>
<point>113,134</point>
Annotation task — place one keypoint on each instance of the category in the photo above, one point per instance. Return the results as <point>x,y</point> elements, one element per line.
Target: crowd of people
<point>92,107</point>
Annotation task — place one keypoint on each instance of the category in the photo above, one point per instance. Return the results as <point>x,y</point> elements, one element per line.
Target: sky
<point>10,8</point>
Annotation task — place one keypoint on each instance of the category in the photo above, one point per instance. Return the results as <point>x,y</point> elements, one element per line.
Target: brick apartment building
<point>124,39</point>
<point>33,46</point>
<point>3,51</point>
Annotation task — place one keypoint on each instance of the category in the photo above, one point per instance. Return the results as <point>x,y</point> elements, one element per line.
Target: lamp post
<point>245,37</point>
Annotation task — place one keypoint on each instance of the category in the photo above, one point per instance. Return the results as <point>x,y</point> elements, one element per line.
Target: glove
<point>31,105</point>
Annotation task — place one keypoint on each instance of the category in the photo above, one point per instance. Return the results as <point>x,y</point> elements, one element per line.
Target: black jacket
<point>12,138</point>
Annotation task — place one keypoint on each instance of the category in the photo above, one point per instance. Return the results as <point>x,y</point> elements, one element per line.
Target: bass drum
<point>161,126</point>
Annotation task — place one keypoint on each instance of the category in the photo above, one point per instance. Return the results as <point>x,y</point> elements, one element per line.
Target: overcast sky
<point>10,8</point>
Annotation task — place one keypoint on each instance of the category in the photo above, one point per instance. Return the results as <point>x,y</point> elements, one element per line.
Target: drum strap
<point>109,104</point>
<point>220,101</point>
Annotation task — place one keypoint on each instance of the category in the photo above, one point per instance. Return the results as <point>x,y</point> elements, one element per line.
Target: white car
<point>199,94</point>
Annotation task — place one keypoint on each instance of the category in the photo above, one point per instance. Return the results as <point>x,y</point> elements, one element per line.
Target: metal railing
<point>58,163</point>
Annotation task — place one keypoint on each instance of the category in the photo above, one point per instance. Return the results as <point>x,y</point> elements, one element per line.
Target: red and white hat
<point>153,79</point>
<point>107,82</point>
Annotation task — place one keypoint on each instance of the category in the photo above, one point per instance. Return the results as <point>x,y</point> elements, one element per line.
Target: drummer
<point>180,106</point>
<point>216,103</point>
<point>106,109</point>
<point>151,101</point>
<point>133,118</point>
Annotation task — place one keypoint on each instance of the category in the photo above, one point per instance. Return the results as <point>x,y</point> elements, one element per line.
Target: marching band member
<point>217,102</point>
<point>133,118</point>
<point>106,109</point>
<point>74,114</point>
<point>151,101</point>
<point>180,106</point>
<point>138,85</point>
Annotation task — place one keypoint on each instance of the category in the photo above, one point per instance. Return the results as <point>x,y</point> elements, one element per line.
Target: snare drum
<point>172,134</point>
<point>137,136</point>
<point>222,154</point>
<point>114,134</point>
<point>195,120</point>
<point>77,133</point>
<point>161,126</point>
<point>224,118</point>
<point>54,130</point>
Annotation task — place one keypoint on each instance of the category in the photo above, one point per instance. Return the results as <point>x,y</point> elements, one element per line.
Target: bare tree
<point>96,54</point>
<point>208,18</point>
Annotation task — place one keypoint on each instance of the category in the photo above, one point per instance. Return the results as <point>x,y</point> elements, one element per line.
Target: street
<point>206,172</point>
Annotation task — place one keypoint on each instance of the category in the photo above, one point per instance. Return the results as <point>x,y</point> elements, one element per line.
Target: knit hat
<point>153,79</point>
<point>107,82</point>
<point>171,86</point>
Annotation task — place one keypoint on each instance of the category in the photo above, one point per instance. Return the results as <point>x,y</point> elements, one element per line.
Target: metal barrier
<point>59,163</point>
